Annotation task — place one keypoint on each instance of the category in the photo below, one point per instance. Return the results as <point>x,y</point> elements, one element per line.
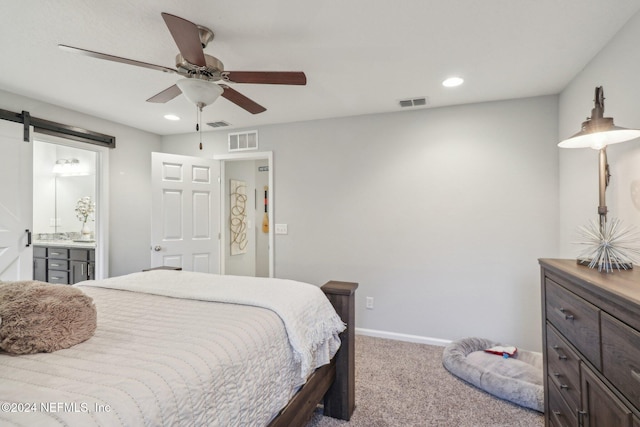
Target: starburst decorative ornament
<point>609,245</point>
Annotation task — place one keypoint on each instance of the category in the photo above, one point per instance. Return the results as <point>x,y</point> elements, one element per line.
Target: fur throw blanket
<point>41,317</point>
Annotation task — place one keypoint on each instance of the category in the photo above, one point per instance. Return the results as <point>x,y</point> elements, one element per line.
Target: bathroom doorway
<point>247,239</point>
<point>69,201</point>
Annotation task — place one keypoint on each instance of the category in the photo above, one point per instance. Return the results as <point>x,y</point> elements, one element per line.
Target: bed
<point>182,348</point>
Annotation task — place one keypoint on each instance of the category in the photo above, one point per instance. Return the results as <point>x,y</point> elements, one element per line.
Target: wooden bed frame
<point>332,384</point>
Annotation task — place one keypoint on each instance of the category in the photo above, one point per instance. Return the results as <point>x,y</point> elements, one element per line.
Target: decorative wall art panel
<point>238,220</point>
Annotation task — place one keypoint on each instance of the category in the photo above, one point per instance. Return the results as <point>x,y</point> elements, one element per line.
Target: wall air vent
<point>243,141</point>
<point>414,102</point>
<point>218,124</point>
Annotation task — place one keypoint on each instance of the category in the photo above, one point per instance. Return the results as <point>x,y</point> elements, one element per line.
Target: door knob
<point>157,248</point>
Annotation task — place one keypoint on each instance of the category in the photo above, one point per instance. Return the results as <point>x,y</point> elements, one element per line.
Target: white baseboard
<point>402,337</point>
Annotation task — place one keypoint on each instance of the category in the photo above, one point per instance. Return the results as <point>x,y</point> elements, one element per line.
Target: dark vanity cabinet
<point>40,263</point>
<point>63,265</point>
<point>82,263</point>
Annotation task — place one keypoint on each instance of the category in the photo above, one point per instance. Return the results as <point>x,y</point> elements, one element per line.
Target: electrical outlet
<point>369,303</point>
<point>281,229</point>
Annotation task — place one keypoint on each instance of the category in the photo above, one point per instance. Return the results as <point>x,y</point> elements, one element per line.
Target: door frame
<point>224,195</point>
<point>102,197</point>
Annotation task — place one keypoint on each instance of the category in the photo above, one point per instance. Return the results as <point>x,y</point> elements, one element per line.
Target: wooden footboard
<point>334,382</point>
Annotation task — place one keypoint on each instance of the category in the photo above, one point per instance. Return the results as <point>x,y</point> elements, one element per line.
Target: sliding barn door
<point>16,200</point>
<point>185,212</point>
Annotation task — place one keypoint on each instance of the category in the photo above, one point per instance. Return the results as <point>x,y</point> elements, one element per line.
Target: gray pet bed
<point>517,379</point>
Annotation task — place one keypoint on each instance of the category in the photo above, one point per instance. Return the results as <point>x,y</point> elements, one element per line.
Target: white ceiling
<point>360,56</point>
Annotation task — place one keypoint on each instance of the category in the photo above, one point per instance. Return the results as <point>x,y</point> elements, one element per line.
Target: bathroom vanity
<point>63,262</point>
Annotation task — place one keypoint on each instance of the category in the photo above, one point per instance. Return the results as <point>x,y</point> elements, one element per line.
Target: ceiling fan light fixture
<point>201,71</point>
<point>200,92</point>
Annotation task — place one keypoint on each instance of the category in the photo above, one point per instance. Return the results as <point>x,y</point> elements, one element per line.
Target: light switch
<point>281,229</point>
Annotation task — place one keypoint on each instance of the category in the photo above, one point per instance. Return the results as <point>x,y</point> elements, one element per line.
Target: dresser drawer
<point>621,357</point>
<point>560,413</point>
<point>57,264</point>
<point>61,277</point>
<point>58,253</point>
<point>563,368</point>
<point>576,319</point>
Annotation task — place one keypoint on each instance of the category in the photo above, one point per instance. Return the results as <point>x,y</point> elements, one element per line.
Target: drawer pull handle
<point>564,386</point>
<point>557,374</point>
<point>581,416</point>
<point>560,355</point>
<point>56,278</point>
<point>566,313</point>
<point>55,265</point>
<point>557,413</point>
<point>635,374</point>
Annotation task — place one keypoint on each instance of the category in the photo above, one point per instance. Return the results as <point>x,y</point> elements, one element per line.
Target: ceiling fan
<point>202,71</point>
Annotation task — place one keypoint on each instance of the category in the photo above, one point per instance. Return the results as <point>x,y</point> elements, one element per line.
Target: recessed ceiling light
<point>453,82</point>
<point>171,117</point>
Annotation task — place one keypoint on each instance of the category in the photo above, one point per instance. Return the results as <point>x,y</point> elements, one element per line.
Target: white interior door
<point>16,258</point>
<point>185,212</point>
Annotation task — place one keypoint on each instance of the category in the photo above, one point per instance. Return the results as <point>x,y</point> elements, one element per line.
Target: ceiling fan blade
<point>116,58</point>
<point>185,34</point>
<point>267,77</point>
<point>242,101</point>
<point>166,95</point>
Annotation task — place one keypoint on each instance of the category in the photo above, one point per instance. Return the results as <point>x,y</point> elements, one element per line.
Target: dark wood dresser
<point>591,345</point>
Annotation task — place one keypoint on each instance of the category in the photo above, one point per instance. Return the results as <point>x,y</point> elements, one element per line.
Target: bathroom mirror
<point>62,176</point>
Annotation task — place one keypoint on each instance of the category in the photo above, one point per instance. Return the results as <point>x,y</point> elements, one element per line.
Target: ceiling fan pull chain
<point>197,119</point>
<point>198,125</point>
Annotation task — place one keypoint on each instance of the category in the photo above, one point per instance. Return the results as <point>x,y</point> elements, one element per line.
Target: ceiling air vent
<point>243,141</point>
<point>414,102</point>
<point>218,124</point>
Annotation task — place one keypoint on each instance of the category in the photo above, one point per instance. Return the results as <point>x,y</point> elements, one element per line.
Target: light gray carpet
<point>404,384</point>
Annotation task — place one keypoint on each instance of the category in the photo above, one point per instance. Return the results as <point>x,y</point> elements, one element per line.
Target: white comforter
<point>311,322</point>
<point>158,360</point>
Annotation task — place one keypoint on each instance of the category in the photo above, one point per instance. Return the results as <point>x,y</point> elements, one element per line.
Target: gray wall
<point>616,68</point>
<point>439,214</point>
<point>129,180</point>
